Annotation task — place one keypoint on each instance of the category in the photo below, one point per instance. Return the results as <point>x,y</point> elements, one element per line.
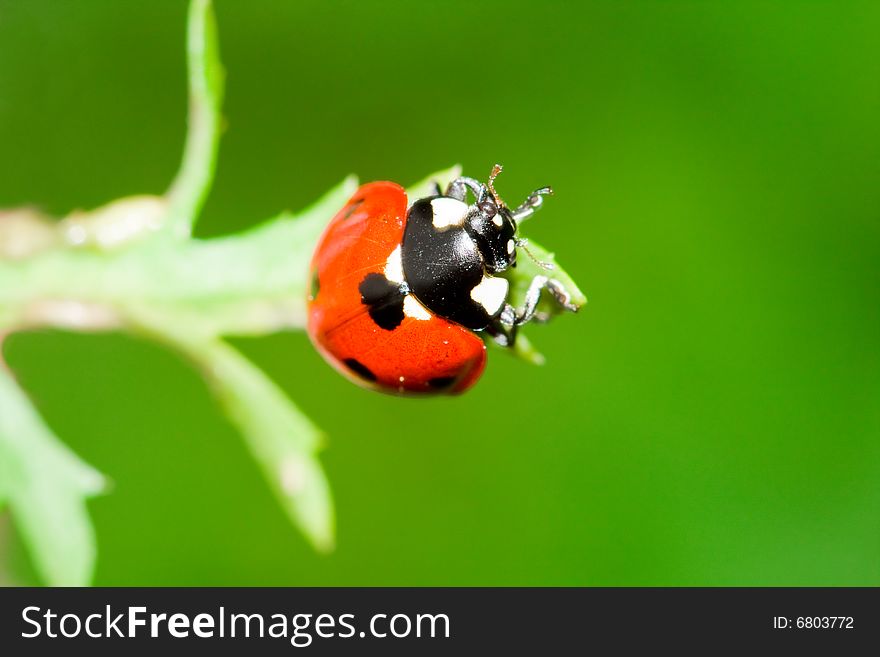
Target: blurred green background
<point>711,418</point>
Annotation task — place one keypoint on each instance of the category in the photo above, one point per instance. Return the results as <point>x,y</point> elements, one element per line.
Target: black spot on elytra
<point>359,368</point>
<point>315,285</point>
<point>385,300</point>
<point>440,382</point>
<point>352,207</point>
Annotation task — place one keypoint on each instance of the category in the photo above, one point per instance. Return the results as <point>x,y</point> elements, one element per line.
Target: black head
<point>493,228</point>
<point>490,223</point>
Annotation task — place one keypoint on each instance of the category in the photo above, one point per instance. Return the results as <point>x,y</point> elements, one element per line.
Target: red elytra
<point>421,355</point>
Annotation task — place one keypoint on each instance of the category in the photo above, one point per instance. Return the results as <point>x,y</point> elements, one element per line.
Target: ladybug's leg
<point>436,189</point>
<point>459,187</point>
<point>533,296</point>
<point>503,328</point>
<point>533,202</point>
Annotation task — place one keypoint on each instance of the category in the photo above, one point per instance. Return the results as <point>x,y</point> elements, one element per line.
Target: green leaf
<point>46,485</point>
<point>526,269</point>
<point>190,188</point>
<point>283,441</point>
<point>521,277</point>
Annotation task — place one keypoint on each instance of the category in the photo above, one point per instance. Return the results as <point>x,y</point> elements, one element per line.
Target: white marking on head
<point>402,379</point>
<point>412,308</point>
<point>394,266</point>
<point>510,247</point>
<point>497,220</point>
<point>448,212</point>
<point>491,293</point>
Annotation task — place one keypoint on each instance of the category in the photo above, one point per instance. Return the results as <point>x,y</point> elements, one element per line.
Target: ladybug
<point>399,291</point>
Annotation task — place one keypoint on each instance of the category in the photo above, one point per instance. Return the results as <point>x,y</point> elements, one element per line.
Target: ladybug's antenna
<point>491,184</point>
<point>523,244</point>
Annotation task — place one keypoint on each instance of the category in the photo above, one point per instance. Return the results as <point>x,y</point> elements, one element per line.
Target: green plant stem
<point>193,182</point>
<point>252,283</point>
